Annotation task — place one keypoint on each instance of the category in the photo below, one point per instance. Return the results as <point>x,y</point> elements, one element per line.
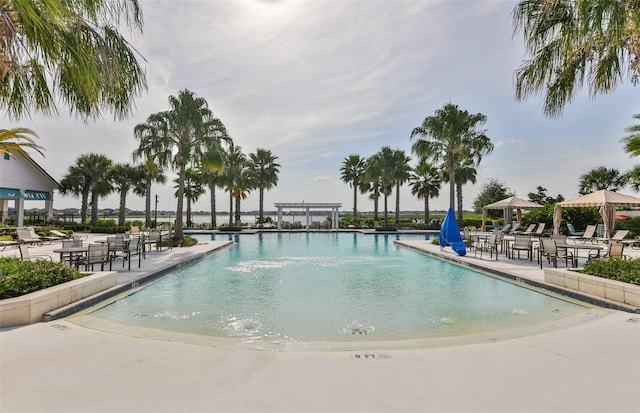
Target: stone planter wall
<point>611,290</point>
<point>30,308</point>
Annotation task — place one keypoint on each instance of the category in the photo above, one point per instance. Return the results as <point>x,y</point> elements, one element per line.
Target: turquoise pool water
<point>331,287</point>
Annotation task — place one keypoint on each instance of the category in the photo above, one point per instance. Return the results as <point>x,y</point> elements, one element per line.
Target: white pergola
<point>308,206</point>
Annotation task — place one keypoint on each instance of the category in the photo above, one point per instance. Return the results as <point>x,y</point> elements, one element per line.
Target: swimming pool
<point>336,287</point>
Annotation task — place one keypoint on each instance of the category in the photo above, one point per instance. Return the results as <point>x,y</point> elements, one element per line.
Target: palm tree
<point>213,179</point>
<point>632,141</point>
<point>452,137</point>
<point>425,183</point>
<point>601,178</point>
<point>464,174</point>
<point>77,184</point>
<point>149,173</point>
<point>88,177</point>
<point>179,137</point>
<point>17,140</point>
<point>237,181</point>
<point>371,183</point>
<point>263,170</point>
<point>387,168</point>
<point>71,51</point>
<point>401,174</point>
<point>576,41</point>
<point>352,172</point>
<point>193,188</point>
<point>123,177</point>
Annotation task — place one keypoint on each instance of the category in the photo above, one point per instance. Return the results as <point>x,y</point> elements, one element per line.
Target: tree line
<point>188,140</point>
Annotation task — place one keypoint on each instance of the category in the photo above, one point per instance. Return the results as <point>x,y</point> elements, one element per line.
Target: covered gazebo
<point>508,205</point>
<point>606,201</point>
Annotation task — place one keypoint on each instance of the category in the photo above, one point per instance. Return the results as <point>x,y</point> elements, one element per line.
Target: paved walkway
<point>589,363</point>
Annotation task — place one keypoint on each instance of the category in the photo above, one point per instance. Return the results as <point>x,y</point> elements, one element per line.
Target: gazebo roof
<point>512,202</point>
<point>603,197</point>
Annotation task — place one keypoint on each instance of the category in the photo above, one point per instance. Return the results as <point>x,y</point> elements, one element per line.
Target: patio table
<point>577,247</point>
<point>74,253</point>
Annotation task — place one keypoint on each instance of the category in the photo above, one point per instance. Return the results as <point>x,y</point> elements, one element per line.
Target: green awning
<point>37,195</point>
<point>10,193</point>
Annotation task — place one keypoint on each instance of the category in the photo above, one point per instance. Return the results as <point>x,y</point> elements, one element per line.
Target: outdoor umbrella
<point>606,201</point>
<point>508,205</point>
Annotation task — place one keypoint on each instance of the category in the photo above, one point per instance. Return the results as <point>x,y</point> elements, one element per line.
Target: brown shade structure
<point>606,201</point>
<point>508,205</point>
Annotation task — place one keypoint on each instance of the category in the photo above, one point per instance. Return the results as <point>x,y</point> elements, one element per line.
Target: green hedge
<point>615,269</point>
<point>18,277</point>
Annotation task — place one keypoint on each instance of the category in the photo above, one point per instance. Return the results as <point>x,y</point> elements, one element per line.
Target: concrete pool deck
<point>584,366</point>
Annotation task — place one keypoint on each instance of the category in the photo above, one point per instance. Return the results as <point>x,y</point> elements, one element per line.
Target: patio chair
<point>548,249</point>
<point>489,244</point>
<point>529,229</point>
<point>588,235</point>
<point>572,230</point>
<point>514,227</point>
<point>116,244</point>
<point>132,249</point>
<point>72,258</point>
<point>522,243</point>
<point>496,224</point>
<point>24,254</point>
<point>154,238</point>
<point>25,237</point>
<point>615,250</point>
<point>96,254</point>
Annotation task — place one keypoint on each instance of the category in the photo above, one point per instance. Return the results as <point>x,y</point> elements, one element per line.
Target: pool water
<point>331,287</point>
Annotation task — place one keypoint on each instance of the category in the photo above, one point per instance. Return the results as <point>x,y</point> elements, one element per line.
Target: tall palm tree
<point>69,51</point>
<point>237,181</point>
<point>601,178</point>
<point>77,184</point>
<point>88,177</point>
<point>193,188</point>
<point>123,177</point>
<point>425,182</point>
<point>371,183</point>
<point>576,41</point>
<point>351,172</point>
<point>213,179</point>
<point>452,137</point>
<point>401,174</point>
<point>387,169</point>
<point>264,175</point>
<point>465,173</point>
<point>149,174</point>
<point>17,140</point>
<point>179,137</point>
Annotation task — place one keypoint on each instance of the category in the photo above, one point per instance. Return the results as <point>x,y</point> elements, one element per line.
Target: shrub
<point>18,277</point>
<point>615,269</point>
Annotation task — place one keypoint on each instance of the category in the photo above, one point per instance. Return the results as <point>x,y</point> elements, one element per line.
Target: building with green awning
<point>22,181</point>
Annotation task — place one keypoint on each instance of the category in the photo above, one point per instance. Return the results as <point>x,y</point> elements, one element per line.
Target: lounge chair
<point>514,227</point>
<point>617,237</point>
<point>48,239</point>
<point>529,230</point>
<point>59,234</point>
<point>539,230</point>
<point>25,237</point>
<point>24,254</point>
<point>7,243</point>
<point>588,235</point>
<point>572,230</point>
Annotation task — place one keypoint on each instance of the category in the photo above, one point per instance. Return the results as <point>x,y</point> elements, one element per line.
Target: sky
<point>316,81</point>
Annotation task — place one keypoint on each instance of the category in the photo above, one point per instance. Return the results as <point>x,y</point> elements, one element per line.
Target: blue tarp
<point>450,234</point>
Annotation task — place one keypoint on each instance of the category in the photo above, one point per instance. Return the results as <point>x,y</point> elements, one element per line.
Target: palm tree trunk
<point>355,203</point>
<point>452,183</point>
<point>459,195</point>
<point>179,209</point>
<point>230,207</point>
<point>397,206</point>
<point>386,216</point>
<point>261,213</point>
<point>94,208</point>
<point>84,207</point>
<point>426,210</point>
<point>376,195</point>
<point>147,206</point>
<point>212,189</point>
<point>189,223</point>
<point>123,202</point>
<point>238,222</point>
